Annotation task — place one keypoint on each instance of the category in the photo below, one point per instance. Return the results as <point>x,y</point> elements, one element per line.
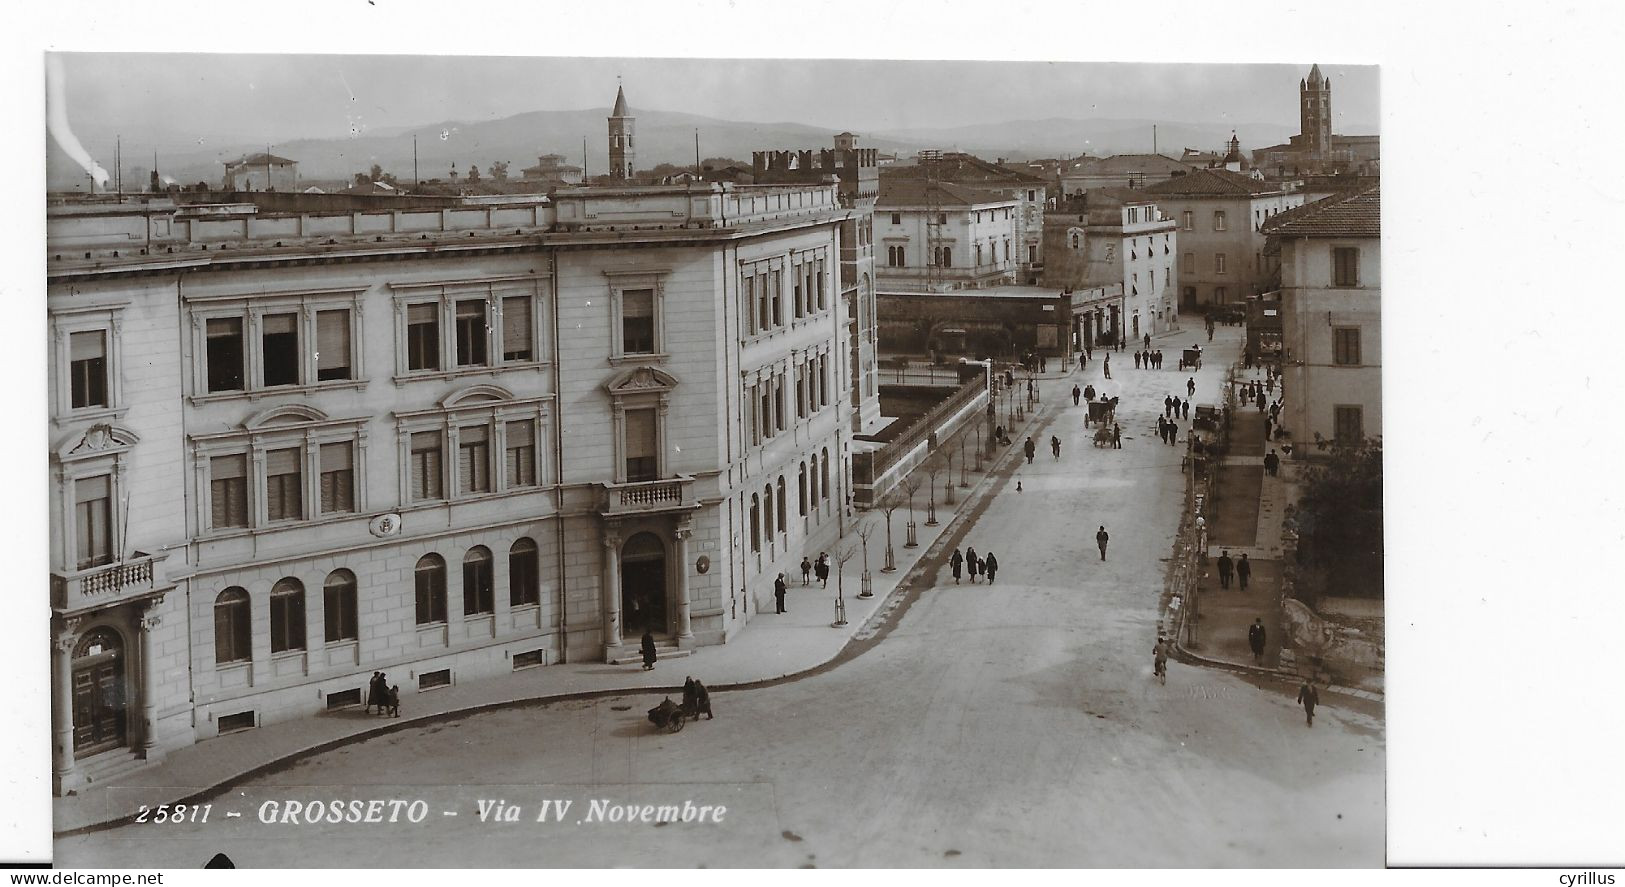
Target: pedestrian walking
<point>1269,384</point>
<point>1136,360</point>
<point>1185,409</point>
<point>395,701</point>
<point>806,570</point>
<point>375,693</point>
<point>1018,484</point>
<point>821,569</point>
<point>1156,359</point>
<point>648,642</point>
<point>1101,539</point>
<point>1076,391</point>
<point>1029,448</point>
<point>1148,341</point>
<point>970,563</point>
<point>1167,404</point>
<point>1190,386</point>
<point>778,593</point>
<point>1055,446</point>
<point>1088,352</point>
<point>1226,568</point>
<point>991,564</point>
<point>1162,429</point>
<point>1255,639</point>
<point>1117,436</point>
<point>1308,698</point>
<point>956,564</point>
<point>1106,366</point>
<point>1043,364</point>
<point>1261,402</point>
<point>1089,393</point>
<point>1244,570</point>
<point>1272,463</point>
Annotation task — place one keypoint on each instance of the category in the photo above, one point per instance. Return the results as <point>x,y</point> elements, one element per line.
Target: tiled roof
<point>1211,183</point>
<point>903,191</point>
<point>1356,215</point>
<point>1118,196</point>
<point>260,159</point>
<point>1122,163</point>
<point>965,169</point>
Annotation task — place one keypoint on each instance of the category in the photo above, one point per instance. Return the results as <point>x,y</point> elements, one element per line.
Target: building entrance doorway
<point>643,585</point>
<point>99,721</point>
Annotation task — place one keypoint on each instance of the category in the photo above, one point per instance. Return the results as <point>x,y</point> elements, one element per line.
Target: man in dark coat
<point>956,563</point>
<point>1185,409</point>
<point>1106,367</point>
<point>1148,341</point>
<point>1255,639</point>
<point>821,569</point>
<point>1100,539</point>
<point>1117,437</point>
<point>778,592</point>
<point>1055,446</point>
<point>1244,570</point>
<point>1162,429</point>
<point>1272,463</point>
<point>1308,698</point>
<point>970,563</point>
<point>1262,403</point>
<point>1089,392</point>
<point>648,643</point>
<point>1190,386</point>
<point>376,693</point>
<point>1167,404</point>
<point>1225,569</point>
<point>806,571</point>
<point>1076,392</point>
<point>1137,360</point>
<point>991,564</point>
<point>1029,448</point>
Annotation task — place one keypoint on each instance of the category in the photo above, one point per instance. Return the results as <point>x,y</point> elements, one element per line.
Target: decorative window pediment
<point>476,394</point>
<point>640,380</point>
<point>286,414</point>
<point>100,439</point>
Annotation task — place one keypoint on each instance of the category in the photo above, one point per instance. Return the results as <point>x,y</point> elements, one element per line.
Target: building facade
<point>291,450</point>
<point>1331,320</point>
<point>1114,240</point>
<point>939,236</point>
<point>551,170</point>
<point>261,172</point>
<point>1031,193</point>
<point>1221,215</point>
<point>1118,171</point>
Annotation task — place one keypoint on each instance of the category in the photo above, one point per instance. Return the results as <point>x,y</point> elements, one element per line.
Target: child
<point>395,701</point>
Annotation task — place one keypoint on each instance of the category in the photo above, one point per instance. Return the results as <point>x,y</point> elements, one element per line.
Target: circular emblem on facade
<point>703,565</point>
<point>385,525</point>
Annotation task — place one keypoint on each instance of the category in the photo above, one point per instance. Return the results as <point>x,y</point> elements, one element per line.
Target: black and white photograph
<point>537,459</point>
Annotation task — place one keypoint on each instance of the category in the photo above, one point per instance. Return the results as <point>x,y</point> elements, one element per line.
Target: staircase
<point>109,764</point>
<point>665,648</point>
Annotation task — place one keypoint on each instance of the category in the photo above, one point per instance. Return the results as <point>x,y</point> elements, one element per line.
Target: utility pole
<point>583,160</point>
<point>697,169</point>
<point>416,185</point>
<point>118,166</point>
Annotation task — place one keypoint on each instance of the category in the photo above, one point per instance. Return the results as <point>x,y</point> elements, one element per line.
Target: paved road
<point>1011,725</point>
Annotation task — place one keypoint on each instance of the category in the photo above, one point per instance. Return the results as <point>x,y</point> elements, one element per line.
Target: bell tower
<point>1315,112</point>
<point>622,125</point>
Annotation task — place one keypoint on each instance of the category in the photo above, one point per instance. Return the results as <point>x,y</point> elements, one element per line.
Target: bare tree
<point>888,504</point>
<point>864,529</point>
<point>933,467</point>
<point>910,486</point>
<point>842,555</point>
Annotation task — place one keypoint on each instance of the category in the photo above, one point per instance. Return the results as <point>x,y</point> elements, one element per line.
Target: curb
<point>891,608</point>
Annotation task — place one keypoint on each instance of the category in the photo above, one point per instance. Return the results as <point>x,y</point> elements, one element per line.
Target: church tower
<point>1315,112</point>
<point>622,156</point>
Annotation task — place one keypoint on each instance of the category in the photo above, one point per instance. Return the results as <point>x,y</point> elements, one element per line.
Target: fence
<point>876,473</point>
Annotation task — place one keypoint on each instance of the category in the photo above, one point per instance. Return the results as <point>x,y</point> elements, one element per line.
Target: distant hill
<point>668,137</point>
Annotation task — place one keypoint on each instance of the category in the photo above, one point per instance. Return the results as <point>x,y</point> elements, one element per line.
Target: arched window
<point>524,573</point>
<point>784,508</point>
<point>287,615</point>
<point>477,593</point>
<point>823,479</point>
<point>430,578</point>
<point>812,478</point>
<point>767,513</point>
<point>338,606</point>
<point>755,522</point>
<point>1074,241</point>
<point>231,627</point>
<point>801,488</point>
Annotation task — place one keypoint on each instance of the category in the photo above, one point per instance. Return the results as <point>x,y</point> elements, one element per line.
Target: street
<point>1016,724</point>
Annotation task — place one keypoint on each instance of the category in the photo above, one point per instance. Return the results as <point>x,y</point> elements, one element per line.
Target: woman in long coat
<point>648,647</point>
<point>957,562</point>
<point>970,563</point>
<point>377,692</point>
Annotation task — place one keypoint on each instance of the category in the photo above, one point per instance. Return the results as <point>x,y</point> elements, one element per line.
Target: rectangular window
<point>764,311</point>
<point>473,459</point>
<point>1032,254</point>
<point>338,478</point>
<point>640,446</point>
<point>823,300</point>
<point>87,356</point>
<point>423,336</point>
<point>521,456</point>
<point>767,412</point>
<point>1345,266</point>
<point>426,471</point>
<point>282,485</point>
<point>93,513</point>
<point>947,257</point>
<point>777,281</point>
<point>279,349</point>
<point>1187,220</point>
<point>638,321</point>
<point>1348,424</point>
<point>1346,346</point>
<point>779,423</point>
<point>471,329</point>
<point>1218,263</point>
<point>1188,264</point>
<point>750,306</point>
<point>228,491</point>
<point>897,218</point>
<point>333,345</point>
<point>224,344</point>
<point>1218,220</point>
<point>801,392</point>
<point>518,332</point>
<point>799,291</point>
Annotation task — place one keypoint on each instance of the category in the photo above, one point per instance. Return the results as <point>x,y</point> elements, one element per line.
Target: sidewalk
<point>771,648</point>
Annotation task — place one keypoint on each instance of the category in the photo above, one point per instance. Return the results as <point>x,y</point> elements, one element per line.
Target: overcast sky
<point>166,99</point>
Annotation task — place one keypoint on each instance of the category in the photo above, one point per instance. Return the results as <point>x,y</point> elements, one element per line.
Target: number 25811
<point>173,813</point>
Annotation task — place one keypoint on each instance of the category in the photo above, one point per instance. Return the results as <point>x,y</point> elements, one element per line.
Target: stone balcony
<point>103,586</point>
<point>648,497</point>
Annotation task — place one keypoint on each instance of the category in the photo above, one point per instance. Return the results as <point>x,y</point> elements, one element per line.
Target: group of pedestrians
<point>818,569</point>
<point>977,565</point>
<point>385,698</point>
<point>1242,570</point>
<point>1168,430</point>
<point>1174,408</point>
<point>1148,360</point>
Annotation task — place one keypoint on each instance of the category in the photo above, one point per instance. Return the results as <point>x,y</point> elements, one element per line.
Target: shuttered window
<point>93,511</point>
<point>338,473</point>
<point>518,334</point>
<point>228,491</point>
<point>471,329</point>
<point>640,445</point>
<point>423,336</point>
<point>426,468</point>
<point>332,345</point>
<point>282,485</point>
<point>87,356</point>
<point>521,456</point>
<point>474,459</point>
